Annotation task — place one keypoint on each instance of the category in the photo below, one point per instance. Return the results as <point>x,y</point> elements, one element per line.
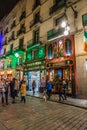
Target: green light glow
<point>14,59</point>
<point>35,53</point>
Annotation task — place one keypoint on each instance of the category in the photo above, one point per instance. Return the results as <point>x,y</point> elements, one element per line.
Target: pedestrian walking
<point>45,94</point>
<point>3,91</point>
<point>42,84</point>
<point>13,90</point>
<point>49,89</point>
<point>60,89</point>
<point>6,90</point>
<point>23,91</point>
<point>64,89</point>
<point>33,86</point>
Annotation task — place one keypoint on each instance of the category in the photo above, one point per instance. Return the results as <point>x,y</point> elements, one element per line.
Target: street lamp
<point>66,27</point>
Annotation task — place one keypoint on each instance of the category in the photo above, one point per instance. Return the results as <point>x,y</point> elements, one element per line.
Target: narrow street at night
<point>39,115</point>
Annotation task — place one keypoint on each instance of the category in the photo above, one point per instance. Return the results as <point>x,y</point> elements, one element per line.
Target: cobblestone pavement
<point>82,103</point>
<point>39,115</point>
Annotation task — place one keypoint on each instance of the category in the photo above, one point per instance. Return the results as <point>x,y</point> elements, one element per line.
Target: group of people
<point>11,89</point>
<point>62,88</point>
<point>14,87</point>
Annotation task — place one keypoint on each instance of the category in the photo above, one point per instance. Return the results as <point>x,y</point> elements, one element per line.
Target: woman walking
<point>23,91</point>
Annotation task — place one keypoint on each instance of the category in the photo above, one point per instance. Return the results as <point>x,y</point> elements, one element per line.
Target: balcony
<point>57,6</point>
<point>36,21</point>
<point>19,48</point>
<point>13,25</point>
<point>54,33</point>
<point>21,31</point>
<point>23,15</point>
<point>6,31</point>
<point>36,4</point>
<point>12,37</point>
<point>2,55</point>
<point>33,44</point>
<point>5,43</point>
<point>8,52</point>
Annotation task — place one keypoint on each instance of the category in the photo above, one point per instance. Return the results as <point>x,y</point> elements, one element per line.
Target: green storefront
<point>35,65</point>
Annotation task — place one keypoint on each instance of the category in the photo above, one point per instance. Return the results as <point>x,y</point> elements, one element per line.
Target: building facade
<point>46,38</point>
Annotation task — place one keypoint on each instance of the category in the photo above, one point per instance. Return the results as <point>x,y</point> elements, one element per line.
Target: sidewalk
<point>82,103</point>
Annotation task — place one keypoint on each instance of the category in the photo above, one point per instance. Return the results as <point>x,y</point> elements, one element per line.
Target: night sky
<point>6,6</point>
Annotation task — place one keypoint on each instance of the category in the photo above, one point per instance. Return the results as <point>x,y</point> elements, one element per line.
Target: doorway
<point>34,75</point>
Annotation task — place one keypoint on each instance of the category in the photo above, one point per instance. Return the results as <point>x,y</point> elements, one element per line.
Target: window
<point>84,19</point>
<point>4,51</point>
<point>9,63</point>
<point>36,36</point>
<point>68,47</point>
<point>21,41</point>
<point>34,54</point>
<point>11,47</point>
<point>56,1</point>
<point>13,35</point>
<point>50,52</point>
<point>59,20</point>
<point>37,17</point>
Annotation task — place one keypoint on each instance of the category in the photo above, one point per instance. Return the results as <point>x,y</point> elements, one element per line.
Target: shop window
<point>50,52</point>
<point>34,54</point>
<point>58,49</point>
<point>29,55</point>
<point>20,60</point>
<point>68,47</point>
<point>9,63</point>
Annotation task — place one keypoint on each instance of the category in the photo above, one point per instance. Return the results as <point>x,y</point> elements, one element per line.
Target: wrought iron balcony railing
<point>5,43</point>
<point>57,6</point>
<point>12,37</point>
<point>23,15</point>
<point>21,31</point>
<point>35,21</point>
<point>36,4</point>
<point>13,25</point>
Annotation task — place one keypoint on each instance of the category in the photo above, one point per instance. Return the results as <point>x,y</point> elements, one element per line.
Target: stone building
<point>46,38</point>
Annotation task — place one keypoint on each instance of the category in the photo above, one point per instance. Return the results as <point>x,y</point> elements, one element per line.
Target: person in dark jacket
<point>6,90</point>
<point>49,89</point>
<point>60,89</point>
<point>13,90</point>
